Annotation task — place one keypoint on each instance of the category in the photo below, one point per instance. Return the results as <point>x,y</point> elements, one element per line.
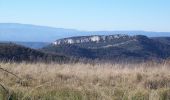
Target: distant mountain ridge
<point>31,33</point>
<point>35,33</point>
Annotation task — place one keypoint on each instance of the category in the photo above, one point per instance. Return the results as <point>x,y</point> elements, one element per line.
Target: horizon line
<point>38,25</point>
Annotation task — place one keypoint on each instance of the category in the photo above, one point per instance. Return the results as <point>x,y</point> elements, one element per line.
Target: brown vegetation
<point>39,81</point>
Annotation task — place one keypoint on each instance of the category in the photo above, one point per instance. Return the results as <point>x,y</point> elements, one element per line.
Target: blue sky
<point>148,15</point>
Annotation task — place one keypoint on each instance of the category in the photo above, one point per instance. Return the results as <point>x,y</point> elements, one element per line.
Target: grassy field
<point>25,81</point>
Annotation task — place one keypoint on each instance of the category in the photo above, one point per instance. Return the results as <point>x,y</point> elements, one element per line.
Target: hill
<point>165,40</point>
<point>13,52</point>
<point>111,48</point>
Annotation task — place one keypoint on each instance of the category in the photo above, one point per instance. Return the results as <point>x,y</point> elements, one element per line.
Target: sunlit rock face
<point>92,39</point>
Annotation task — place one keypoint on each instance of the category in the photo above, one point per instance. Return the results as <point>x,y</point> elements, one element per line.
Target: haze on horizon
<point>148,15</point>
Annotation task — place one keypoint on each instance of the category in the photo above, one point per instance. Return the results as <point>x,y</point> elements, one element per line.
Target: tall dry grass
<point>40,81</point>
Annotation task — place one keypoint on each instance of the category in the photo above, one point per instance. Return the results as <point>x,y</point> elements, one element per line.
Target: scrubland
<point>40,81</point>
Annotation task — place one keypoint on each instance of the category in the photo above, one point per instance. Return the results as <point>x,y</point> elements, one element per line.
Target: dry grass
<point>147,81</point>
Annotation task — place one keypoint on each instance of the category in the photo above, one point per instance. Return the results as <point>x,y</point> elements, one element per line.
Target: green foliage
<point>164,94</point>
<point>119,94</point>
<point>57,94</point>
<point>3,93</point>
<point>139,95</point>
<point>61,94</point>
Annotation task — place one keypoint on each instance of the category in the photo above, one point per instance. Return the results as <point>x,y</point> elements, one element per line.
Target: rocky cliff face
<point>111,47</point>
<point>92,39</point>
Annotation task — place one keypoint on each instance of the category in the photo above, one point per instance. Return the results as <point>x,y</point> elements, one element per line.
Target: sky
<point>91,15</point>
